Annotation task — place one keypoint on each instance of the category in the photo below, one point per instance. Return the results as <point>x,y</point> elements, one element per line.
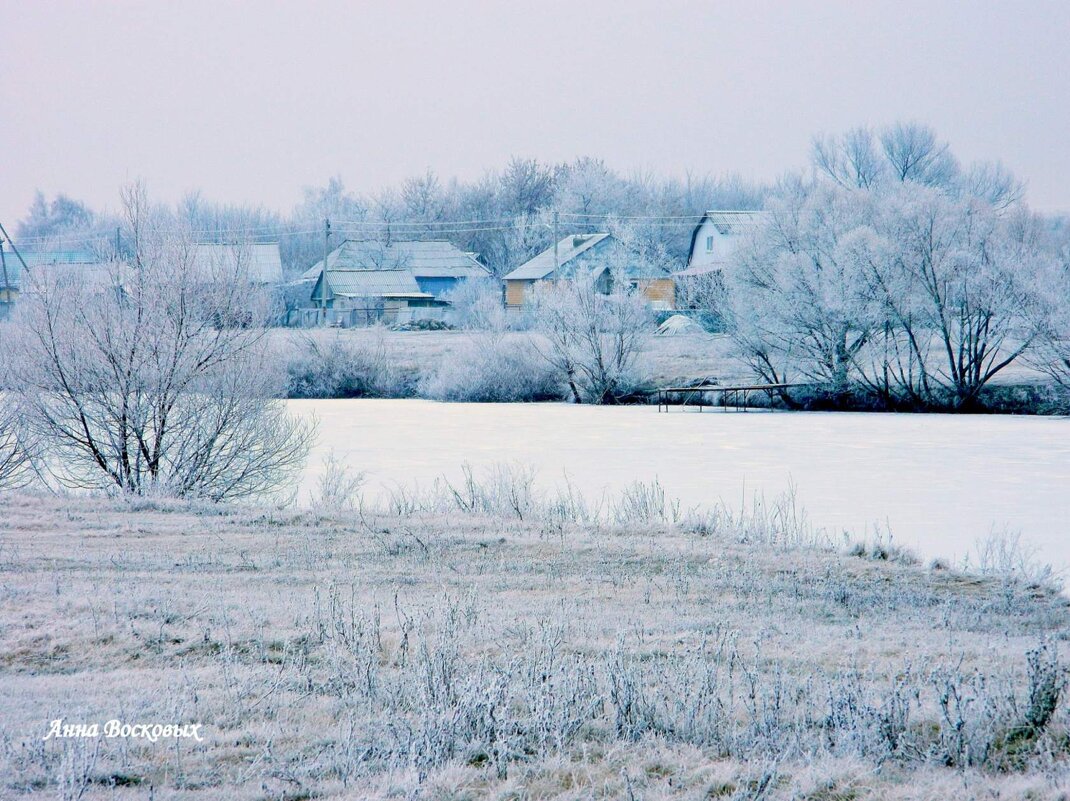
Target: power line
<point>424,223</point>
<point>611,215</point>
<point>270,233</point>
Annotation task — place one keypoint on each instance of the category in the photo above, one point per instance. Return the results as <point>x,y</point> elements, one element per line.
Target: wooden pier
<point>738,394</point>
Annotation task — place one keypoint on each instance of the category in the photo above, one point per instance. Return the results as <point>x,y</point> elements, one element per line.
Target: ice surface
<point>941,482</point>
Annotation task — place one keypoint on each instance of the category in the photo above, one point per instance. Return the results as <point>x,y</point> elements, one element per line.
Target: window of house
<point>709,244</point>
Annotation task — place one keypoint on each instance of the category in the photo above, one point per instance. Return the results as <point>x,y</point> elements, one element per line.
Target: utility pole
<point>118,245</point>
<point>323,273</point>
<point>557,262</point>
<point>3,266</point>
<point>3,231</point>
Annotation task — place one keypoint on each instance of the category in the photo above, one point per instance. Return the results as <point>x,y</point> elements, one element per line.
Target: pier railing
<point>737,394</point>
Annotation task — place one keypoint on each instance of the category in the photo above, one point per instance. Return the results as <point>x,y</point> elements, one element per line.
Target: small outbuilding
<point>354,297</point>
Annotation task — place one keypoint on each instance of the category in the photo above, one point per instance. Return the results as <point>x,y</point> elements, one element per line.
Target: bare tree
<point>16,467</point>
<point>851,160</point>
<point>157,378</point>
<point>914,153</point>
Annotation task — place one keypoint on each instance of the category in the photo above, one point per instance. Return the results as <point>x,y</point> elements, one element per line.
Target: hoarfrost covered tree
<point>591,337</point>
<point>51,219</point>
<point>957,284</point>
<point>423,199</point>
<point>852,159</point>
<point>1051,353</point>
<point>796,298</point>
<point>909,152</point>
<point>302,244</point>
<point>15,450</point>
<point>918,294</point>
<point>156,379</point>
<point>477,304</point>
<point>914,153</point>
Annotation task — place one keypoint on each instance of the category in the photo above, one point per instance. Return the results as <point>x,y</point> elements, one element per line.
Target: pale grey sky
<point>251,101</point>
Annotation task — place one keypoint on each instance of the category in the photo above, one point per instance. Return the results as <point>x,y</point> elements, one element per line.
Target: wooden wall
<point>515,292</point>
<point>660,289</point>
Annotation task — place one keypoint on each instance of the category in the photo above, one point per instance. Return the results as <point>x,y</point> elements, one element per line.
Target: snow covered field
<point>939,482</point>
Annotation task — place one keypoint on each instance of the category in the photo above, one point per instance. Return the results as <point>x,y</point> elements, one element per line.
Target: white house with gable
<point>715,237</point>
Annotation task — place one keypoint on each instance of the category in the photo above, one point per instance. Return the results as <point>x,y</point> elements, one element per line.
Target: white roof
<point>421,258</point>
<point>567,249</point>
<point>733,222</point>
<point>261,261</point>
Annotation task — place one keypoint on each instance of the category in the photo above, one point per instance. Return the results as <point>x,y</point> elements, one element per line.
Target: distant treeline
<point>505,216</point>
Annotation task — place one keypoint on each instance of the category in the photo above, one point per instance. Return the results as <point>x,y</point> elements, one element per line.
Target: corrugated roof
<point>261,261</point>
<point>543,264</point>
<point>371,283</point>
<point>42,259</point>
<point>733,222</point>
<point>421,258</point>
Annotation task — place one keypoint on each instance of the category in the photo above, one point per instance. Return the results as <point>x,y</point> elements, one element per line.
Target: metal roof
<point>543,265</point>
<point>261,262</point>
<point>733,222</point>
<point>420,258</point>
<point>358,283</point>
<point>44,259</point>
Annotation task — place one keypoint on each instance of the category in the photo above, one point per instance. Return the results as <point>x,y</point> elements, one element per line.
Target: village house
<point>595,256</point>
<point>394,282</point>
<point>357,296</point>
<point>700,285</point>
<point>13,282</point>
<point>259,264</point>
<point>714,240</point>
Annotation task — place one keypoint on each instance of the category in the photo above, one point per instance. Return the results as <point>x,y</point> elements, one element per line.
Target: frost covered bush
<point>489,368</point>
<point>341,366</point>
<point>477,305</point>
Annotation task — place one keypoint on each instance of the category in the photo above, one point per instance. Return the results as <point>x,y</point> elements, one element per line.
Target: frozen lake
<point>940,482</point>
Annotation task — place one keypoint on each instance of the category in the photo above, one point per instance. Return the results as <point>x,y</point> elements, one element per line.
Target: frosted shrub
<point>491,369</point>
<point>506,491</point>
<point>341,366</point>
<point>477,305</point>
<point>1003,555</point>
<point>158,379</point>
<point>338,486</point>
